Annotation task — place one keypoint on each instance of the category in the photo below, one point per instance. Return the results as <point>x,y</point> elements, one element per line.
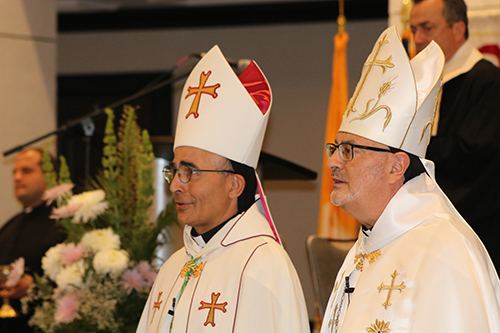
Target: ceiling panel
<point>187,14</point>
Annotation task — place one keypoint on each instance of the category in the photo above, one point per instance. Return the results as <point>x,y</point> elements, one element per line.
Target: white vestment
<point>420,269</point>
<point>247,284</point>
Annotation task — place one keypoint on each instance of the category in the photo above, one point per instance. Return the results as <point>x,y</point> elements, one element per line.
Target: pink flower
<point>16,273</point>
<point>66,309</point>
<point>65,211</point>
<point>57,192</point>
<point>147,272</point>
<point>72,253</point>
<point>132,279</point>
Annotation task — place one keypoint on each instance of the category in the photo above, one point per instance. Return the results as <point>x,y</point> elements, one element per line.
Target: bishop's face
<point>203,202</point>
<point>356,183</point>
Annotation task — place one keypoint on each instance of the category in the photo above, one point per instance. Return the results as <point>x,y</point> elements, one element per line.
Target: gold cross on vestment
<point>390,288</point>
<point>384,64</point>
<point>156,305</point>
<point>197,91</point>
<point>212,306</point>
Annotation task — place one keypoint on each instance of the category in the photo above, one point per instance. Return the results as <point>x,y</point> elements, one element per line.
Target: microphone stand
<point>87,121</point>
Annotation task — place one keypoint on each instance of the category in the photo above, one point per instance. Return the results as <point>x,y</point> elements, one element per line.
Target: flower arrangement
<point>100,278</point>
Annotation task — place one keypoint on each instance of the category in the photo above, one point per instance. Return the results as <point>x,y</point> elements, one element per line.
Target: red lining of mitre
<point>256,84</point>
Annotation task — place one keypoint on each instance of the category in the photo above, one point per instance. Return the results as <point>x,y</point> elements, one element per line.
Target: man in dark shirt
<point>29,234</point>
<point>465,146</point>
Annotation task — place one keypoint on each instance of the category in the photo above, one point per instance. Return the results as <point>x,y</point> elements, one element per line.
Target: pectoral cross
<point>392,287</point>
<point>212,306</point>
<point>384,64</point>
<point>198,91</point>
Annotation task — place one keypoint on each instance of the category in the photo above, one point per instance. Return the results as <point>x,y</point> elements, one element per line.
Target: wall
<point>297,62</point>
<point>27,83</point>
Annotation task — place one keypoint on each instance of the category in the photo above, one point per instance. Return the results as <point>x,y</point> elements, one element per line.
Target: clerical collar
<point>207,235</point>
<point>28,210</point>
<point>366,231</point>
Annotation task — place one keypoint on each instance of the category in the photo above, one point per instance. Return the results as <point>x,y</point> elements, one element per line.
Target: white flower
<point>92,205</point>
<point>71,275</point>
<point>52,261</point>
<point>100,240</point>
<point>113,261</point>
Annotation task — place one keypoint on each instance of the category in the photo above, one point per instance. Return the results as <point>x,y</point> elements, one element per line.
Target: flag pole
<point>341,20</point>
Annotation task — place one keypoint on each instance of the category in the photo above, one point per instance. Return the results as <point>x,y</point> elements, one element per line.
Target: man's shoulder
<point>483,79</point>
<point>11,222</point>
<point>484,70</point>
<point>448,232</point>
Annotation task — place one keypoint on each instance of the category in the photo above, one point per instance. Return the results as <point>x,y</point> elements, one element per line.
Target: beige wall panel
<point>27,83</point>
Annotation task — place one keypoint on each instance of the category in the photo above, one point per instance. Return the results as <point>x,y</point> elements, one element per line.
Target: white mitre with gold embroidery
<point>223,113</point>
<point>395,99</point>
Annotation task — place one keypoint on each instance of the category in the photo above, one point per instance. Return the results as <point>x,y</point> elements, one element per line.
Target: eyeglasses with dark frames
<point>346,150</point>
<point>185,173</point>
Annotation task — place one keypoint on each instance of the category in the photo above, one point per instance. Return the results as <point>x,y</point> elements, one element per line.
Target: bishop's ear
<point>237,185</point>
<point>401,162</point>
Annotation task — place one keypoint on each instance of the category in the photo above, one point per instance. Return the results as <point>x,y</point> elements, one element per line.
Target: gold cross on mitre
<point>198,91</point>
<point>212,306</point>
<point>384,64</point>
<point>392,287</point>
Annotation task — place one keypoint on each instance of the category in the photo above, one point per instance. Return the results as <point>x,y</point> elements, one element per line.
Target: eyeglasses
<point>346,150</point>
<point>185,173</point>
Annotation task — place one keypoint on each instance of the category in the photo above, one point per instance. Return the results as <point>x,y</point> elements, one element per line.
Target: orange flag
<point>333,221</point>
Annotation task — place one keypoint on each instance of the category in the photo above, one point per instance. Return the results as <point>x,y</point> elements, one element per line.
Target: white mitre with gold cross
<point>395,99</point>
<point>223,113</point>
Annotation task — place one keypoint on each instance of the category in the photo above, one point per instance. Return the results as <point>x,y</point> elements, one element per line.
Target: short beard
<point>340,200</point>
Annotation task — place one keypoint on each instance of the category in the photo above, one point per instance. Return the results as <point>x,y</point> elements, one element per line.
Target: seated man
<point>232,275</point>
<point>417,266</point>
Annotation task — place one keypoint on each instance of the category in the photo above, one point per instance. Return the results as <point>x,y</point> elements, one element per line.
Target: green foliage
<point>127,180</point>
<point>49,175</point>
<point>64,174</point>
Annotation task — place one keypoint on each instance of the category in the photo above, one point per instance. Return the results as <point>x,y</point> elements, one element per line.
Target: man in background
<point>29,234</point>
<point>465,145</point>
